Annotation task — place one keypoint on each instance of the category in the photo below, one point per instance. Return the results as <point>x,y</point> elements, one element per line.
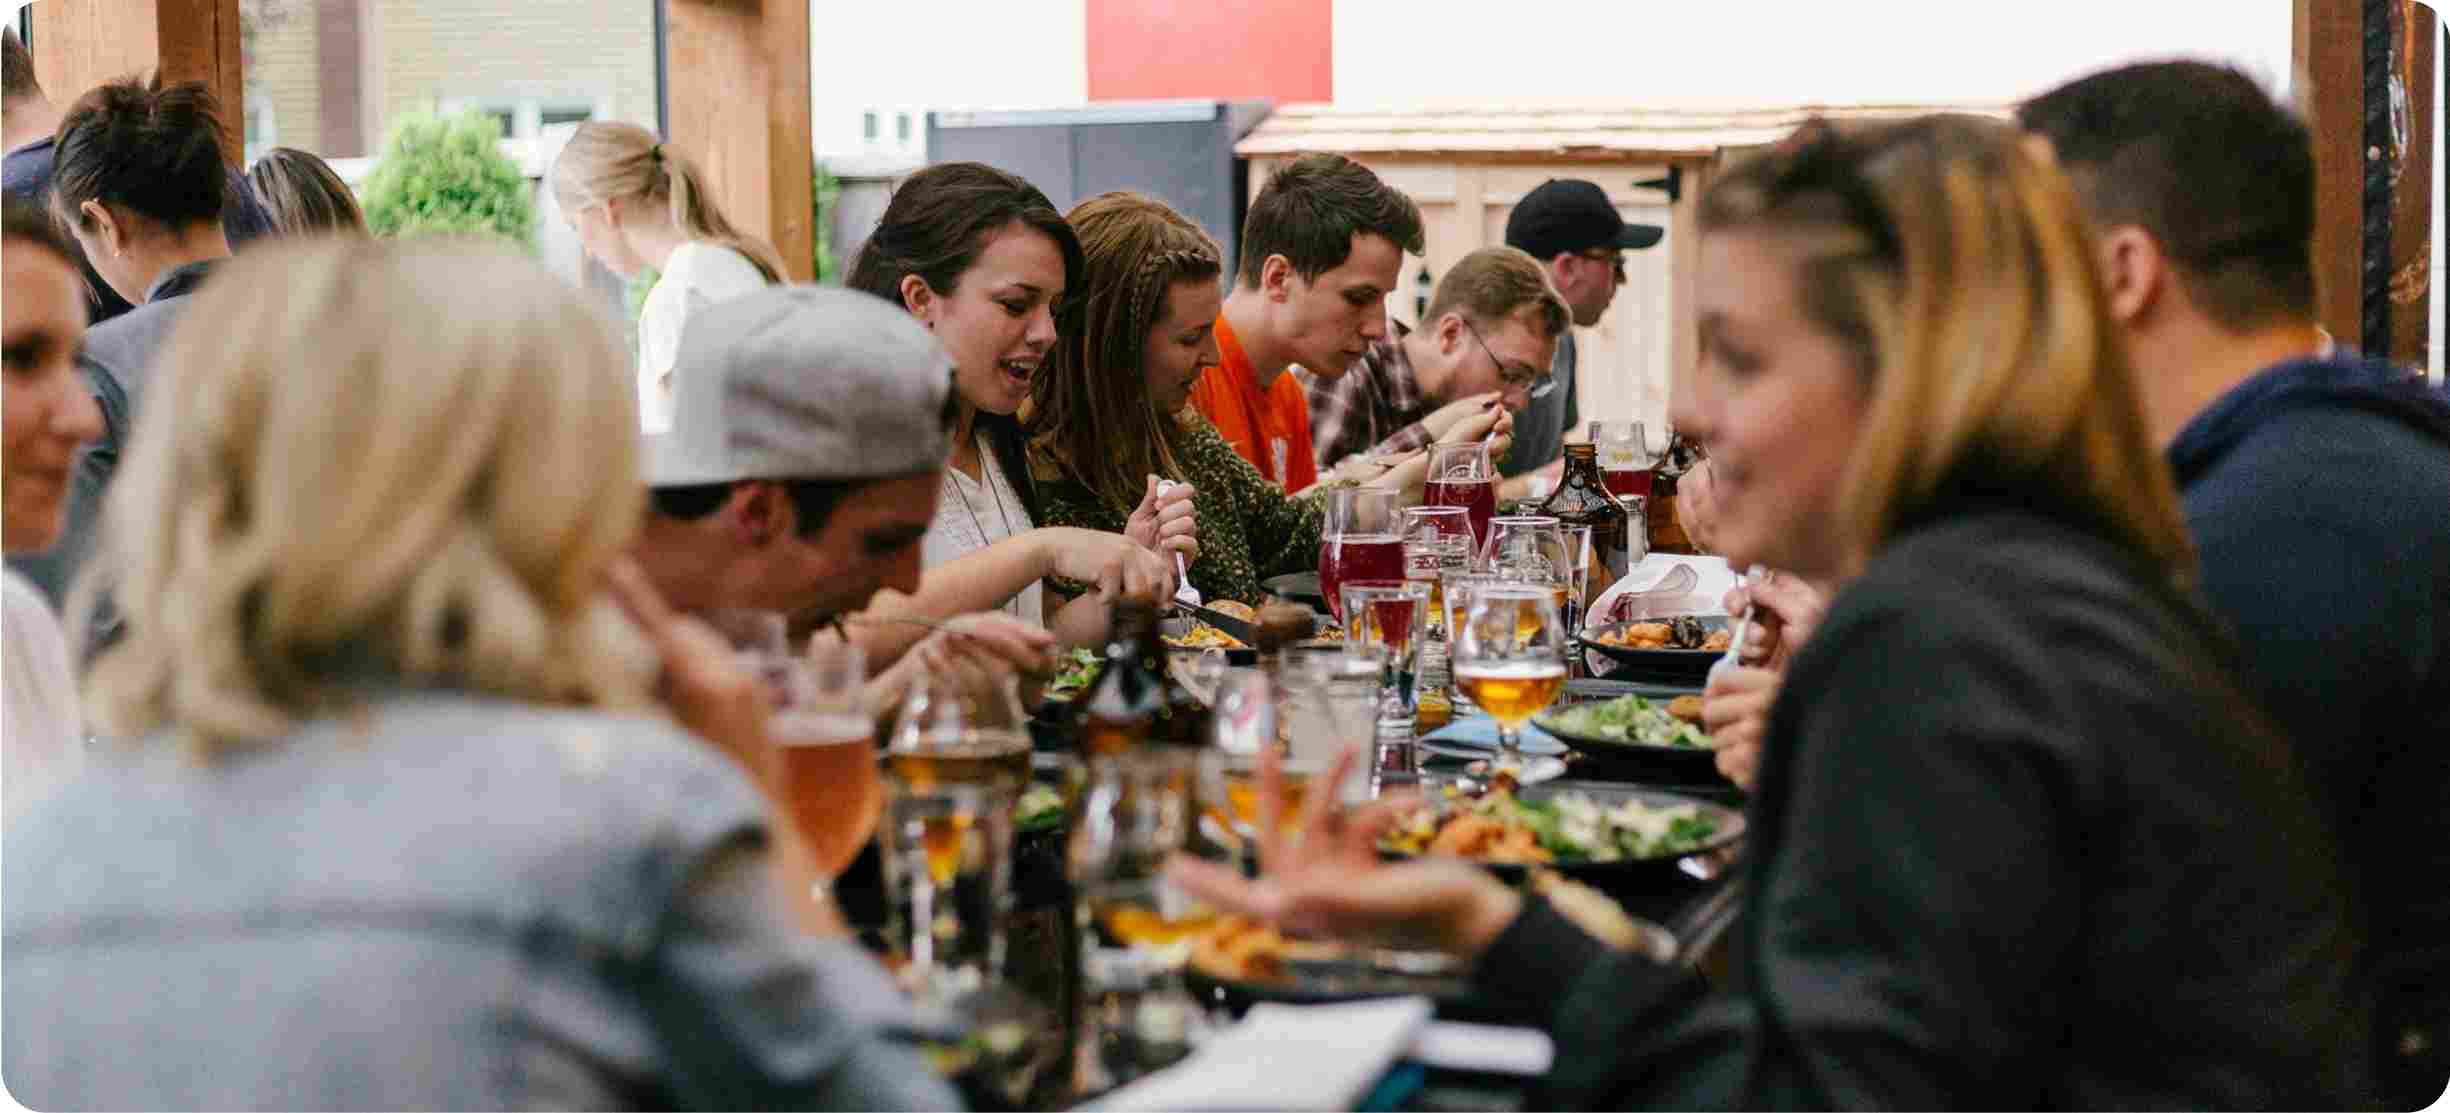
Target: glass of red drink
<point>1625,457</point>
<point>1463,475</point>
<point>1362,539</point>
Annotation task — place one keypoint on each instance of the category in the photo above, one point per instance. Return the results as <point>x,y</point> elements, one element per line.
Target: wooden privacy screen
<point>737,84</point>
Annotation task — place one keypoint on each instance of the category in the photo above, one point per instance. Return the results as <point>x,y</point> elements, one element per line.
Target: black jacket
<point>2018,842</point>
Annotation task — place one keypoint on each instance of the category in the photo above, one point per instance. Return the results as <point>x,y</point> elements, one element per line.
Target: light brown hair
<point>608,159</point>
<point>1090,413</point>
<point>303,195</point>
<point>1497,284</point>
<point>1949,253</point>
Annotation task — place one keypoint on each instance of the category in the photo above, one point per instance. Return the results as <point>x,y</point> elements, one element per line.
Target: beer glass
<point>824,738</point>
<point>1510,658</point>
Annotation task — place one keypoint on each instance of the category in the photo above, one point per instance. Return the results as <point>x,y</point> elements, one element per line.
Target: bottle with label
<point>1582,499</point>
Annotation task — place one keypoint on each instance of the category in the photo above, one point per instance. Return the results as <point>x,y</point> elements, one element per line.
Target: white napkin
<point>1285,1057</point>
<point>1663,585</point>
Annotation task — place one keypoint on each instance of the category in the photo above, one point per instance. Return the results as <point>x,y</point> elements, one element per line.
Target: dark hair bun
<point>145,147</point>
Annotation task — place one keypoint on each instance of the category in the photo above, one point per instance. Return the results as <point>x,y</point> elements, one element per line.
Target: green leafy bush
<point>448,174</point>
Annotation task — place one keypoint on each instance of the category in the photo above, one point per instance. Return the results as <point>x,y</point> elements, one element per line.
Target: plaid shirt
<point>1377,405</point>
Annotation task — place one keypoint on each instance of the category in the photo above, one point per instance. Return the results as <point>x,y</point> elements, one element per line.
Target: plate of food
<point>1240,962</point>
<point>1632,726</point>
<point>1683,646</point>
<point>1577,828</point>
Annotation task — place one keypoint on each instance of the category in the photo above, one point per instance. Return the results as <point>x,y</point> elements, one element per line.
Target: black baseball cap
<point>1567,214</point>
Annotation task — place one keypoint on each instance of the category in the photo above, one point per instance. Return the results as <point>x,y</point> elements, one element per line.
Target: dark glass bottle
<point>1136,701</point>
<point>1582,499</point>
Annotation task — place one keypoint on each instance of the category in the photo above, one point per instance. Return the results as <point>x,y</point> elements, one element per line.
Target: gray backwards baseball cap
<point>803,382</point>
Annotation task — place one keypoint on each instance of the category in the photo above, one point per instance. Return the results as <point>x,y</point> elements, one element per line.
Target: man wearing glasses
<point>1482,349</point>
<point>1576,234</point>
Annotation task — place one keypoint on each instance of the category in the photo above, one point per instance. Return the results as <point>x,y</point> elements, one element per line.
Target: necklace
<point>987,473</point>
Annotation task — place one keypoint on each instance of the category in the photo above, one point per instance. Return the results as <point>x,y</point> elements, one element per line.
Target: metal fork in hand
<point>1184,593</point>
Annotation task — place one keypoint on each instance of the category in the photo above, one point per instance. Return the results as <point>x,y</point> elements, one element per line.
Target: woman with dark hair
<point>983,260</point>
<point>1109,411</point>
<point>48,416</point>
<point>137,177</point>
<point>304,196</point>
<point>2020,837</point>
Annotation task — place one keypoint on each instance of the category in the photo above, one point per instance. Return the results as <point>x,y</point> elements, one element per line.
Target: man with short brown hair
<point>1321,250</point>
<point>1483,346</point>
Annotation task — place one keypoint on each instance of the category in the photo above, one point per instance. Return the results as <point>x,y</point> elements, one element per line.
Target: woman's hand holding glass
<point>1321,876</point>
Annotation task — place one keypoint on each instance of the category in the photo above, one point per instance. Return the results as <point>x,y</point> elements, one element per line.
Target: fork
<point>1184,593</point>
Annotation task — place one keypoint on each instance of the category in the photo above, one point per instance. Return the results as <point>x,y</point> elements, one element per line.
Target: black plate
<point>1659,663</point>
<point>1300,587</point>
<point>1339,982</point>
<point>1618,750</point>
<point>1730,830</point>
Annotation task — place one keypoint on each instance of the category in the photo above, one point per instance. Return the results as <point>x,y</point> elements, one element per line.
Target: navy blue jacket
<point>2318,493</point>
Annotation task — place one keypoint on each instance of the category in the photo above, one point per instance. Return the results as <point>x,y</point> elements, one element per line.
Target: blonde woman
<point>395,823</point>
<point>637,204</point>
<point>304,196</point>
<point>2019,838</point>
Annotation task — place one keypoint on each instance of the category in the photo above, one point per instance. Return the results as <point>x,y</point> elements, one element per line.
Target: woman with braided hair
<point>637,205</point>
<point>1107,418</point>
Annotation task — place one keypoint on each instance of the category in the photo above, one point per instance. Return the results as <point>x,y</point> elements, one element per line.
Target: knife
<point>1243,631</point>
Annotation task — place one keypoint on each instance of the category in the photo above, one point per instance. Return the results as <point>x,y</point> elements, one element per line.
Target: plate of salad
<point>1573,827</point>
<point>1632,726</point>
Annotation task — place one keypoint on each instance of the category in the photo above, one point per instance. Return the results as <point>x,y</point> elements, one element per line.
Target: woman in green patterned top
<point>1107,418</point>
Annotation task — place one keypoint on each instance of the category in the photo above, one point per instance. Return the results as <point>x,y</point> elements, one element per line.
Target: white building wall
<point>897,59</point>
<point>1775,52</point>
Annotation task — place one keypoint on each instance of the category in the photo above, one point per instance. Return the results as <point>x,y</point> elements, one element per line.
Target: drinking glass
<point>824,737</point>
<point>1625,457</point>
<point>1510,657</point>
<point>1360,539</point>
<point>947,855</point>
<point>1530,548</point>
<point>960,725</point>
<point>1578,565</point>
<point>1463,475</point>
<point>1135,926</point>
<point>1388,617</point>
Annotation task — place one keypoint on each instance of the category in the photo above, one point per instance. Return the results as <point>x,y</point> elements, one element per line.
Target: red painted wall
<point>1283,50</point>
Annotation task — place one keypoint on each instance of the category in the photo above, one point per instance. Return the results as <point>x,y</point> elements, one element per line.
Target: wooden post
<point>737,78</point>
<point>2330,90</point>
<point>79,44</point>
<point>2364,75</point>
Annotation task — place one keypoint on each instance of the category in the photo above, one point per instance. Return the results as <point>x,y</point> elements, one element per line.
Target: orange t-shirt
<point>1271,429</point>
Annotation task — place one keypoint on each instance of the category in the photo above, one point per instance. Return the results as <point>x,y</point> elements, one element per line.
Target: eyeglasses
<point>1614,258</point>
<point>1512,375</point>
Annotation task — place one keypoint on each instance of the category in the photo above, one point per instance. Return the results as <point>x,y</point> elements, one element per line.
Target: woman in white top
<point>636,203</point>
<point>981,257</point>
<point>47,414</point>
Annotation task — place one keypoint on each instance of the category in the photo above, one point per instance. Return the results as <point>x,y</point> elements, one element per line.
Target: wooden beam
<point>2328,55</point>
<point>2408,285</point>
<point>738,80</point>
<point>79,44</point>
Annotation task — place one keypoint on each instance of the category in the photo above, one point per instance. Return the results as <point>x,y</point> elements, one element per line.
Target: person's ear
<point>1276,278</point>
<point>756,514</point>
<point>106,227</point>
<point>920,299</point>
<point>2134,272</point>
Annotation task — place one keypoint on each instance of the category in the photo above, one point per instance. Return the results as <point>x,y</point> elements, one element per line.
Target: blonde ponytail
<point>608,159</point>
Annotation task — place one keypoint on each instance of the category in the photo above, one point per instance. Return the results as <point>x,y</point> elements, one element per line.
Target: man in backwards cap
<point>808,440</point>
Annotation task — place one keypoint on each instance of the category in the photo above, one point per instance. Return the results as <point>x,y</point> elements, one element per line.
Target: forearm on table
<point>979,581</point>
